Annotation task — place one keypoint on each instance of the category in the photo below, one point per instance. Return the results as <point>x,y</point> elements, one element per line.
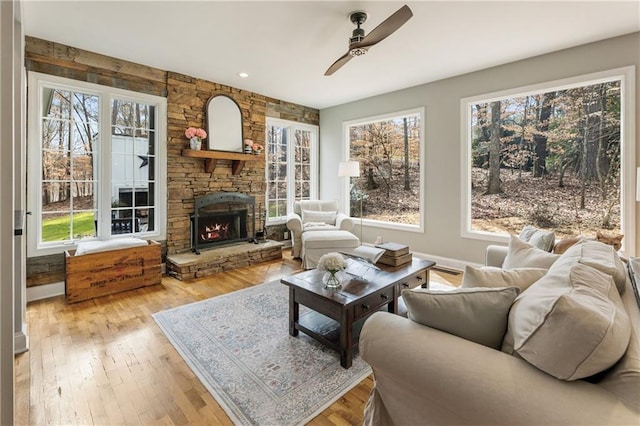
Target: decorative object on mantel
<point>224,124</point>
<point>195,135</point>
<point>333,263</point>
<point>248,146</point>
<point>257,148</point>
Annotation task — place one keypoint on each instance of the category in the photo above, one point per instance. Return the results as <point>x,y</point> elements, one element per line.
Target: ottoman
<point>315,244</point>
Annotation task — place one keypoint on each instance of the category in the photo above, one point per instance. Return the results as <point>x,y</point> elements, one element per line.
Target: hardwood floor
<point>105,361</point>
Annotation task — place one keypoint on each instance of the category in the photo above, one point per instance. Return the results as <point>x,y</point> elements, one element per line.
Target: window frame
<point>36,83</point>
<point>291,127</point>
<point>346,157</point>
<point>626,75</point>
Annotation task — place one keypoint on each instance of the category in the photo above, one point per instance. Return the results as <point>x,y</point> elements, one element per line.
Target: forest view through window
<point>291,163</point>
<point>550,159</point>
<point>388,150</point>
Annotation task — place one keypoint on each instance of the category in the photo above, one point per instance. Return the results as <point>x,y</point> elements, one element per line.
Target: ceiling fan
<point>359,43</point>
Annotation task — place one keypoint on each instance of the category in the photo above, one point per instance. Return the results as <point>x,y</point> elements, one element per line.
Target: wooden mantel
<point>211,158</point>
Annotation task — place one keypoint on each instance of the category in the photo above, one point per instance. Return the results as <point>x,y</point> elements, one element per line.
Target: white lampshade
<point>349,168</point>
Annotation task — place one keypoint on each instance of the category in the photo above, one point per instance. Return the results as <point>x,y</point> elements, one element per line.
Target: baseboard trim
<point>45,291</point>
<point>20,342</point>
<point>446,262</point>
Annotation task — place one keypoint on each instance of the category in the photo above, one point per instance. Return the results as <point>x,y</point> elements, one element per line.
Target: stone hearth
<point>186,266</point>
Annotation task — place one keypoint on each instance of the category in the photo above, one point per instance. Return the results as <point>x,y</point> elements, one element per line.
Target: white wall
<point>8,12</point>
<point>21,340</point>
<point>441,100</point>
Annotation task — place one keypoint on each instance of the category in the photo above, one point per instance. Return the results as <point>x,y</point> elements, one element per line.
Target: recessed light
<point>243,74</point>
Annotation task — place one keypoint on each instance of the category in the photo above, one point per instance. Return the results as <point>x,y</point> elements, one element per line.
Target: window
<point>389,189</point>
<point>95,149</point>
<point>292,166</point>
<point>552,156</point>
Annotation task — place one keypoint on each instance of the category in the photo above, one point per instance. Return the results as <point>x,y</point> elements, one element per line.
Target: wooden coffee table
<point>353,302</point>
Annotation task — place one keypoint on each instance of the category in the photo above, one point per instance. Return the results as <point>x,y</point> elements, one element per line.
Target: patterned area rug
<point>239,346</point>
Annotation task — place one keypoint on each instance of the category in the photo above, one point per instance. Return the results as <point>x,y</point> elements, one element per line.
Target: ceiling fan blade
<point>338,64</point>
<point>387,27</point>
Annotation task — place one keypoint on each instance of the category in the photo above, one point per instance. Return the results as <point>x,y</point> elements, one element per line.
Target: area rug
<point>239,346</point>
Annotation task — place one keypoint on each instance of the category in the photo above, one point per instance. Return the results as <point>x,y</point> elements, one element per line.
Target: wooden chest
<point>99,274</point>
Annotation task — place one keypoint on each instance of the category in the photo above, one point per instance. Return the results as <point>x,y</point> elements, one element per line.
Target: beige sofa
<point>424,376</point>
<point>315,221</point>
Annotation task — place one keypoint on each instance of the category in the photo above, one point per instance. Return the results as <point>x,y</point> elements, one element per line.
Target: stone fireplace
<point>222,218</point>
<point>223,237</point>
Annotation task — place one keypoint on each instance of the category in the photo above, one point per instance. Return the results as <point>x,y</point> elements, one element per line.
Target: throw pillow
<point>476,314</point>
<point>600,256</point>
<point>624,377</point>
<point>570,324</point>
<point>489,276</point>
<point>523,255</point>
<point>315,216</point>
<point>544,240</point>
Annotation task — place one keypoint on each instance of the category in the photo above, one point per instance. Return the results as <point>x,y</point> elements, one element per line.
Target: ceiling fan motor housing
<point>358,19</point>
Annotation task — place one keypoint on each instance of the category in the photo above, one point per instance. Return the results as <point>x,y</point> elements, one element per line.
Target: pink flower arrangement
<point>195,132</point>
<point>257,147</point>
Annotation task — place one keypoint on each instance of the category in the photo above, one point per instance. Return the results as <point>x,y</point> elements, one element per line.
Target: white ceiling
<point>286,46</point>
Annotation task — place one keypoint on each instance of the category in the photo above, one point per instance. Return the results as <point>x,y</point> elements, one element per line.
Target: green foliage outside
<point>58,228</point>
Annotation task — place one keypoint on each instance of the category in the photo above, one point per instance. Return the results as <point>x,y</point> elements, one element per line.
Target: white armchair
<point>315,220</point>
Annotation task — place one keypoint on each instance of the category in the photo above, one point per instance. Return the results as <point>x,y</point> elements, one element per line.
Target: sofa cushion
<point>600,256</point>
<point>321,217</point>
<point>539,238</point>
<point>317,205</point>
<point>571,323</point>
<point>490,276</point>
<point>476,314</point>
<point>98,246</point>
<point>334,239</point>
<point>523,255</point>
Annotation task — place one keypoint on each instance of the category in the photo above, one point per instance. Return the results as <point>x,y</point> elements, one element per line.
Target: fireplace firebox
<point>221,219</point>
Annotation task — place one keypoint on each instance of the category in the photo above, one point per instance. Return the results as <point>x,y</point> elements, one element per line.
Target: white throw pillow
<point>539,238</point>
<point>600,256</point>
<point>570,324</point>
<point>315,216</point>
<point>490,276</point>
<point>476,314</point>
<point>98,246</point>
<point>523,255</point>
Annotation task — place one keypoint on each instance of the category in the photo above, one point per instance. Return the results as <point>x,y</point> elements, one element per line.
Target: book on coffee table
<point>395,254</point>
<point>393,249</point>
<point>396,260</point>
<point>365,253</point>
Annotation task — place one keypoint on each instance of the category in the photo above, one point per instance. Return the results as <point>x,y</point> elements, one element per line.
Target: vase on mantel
<point>195,143</point>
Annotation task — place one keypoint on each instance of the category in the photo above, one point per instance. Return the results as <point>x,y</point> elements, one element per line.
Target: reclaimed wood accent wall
<point>48,57</point>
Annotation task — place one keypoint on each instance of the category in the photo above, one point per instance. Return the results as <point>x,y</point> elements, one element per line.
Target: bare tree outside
<point>550,159</point>
<point>69,138</point>
<point>388,151</point>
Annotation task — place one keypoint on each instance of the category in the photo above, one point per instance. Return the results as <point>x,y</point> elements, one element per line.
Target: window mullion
<point>104,170</point>
<point>291,182</point>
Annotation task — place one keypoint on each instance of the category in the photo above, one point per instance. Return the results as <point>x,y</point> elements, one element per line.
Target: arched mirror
<point>224,122</point>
